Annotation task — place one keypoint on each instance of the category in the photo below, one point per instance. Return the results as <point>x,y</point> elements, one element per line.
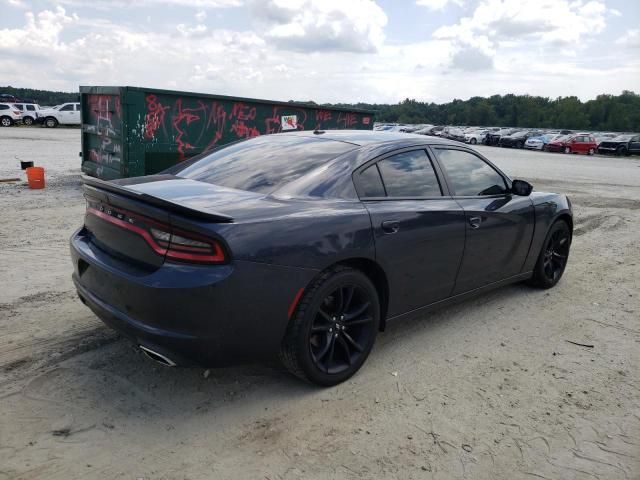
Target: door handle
<point>390,226</point>
<point>475,222</point>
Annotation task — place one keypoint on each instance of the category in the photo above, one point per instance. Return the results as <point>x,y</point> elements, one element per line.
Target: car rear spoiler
<point>94,183</point>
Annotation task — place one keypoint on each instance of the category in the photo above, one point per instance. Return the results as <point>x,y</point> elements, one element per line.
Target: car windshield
<point>622,138</point>
<point>262,164</point>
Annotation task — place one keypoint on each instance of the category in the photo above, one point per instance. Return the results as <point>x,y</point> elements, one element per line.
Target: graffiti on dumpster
<point>195,125</point>
<point>105,114</point>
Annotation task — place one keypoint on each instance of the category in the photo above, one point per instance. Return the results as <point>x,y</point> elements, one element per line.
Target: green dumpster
<point>131,131</point>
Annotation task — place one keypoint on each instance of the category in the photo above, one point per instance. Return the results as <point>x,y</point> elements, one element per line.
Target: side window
<point>31,108</point>
<point>67,108</point>
<point>4,107</point>
<point>409,174</point>
<point>19,107</point>
<point>469,174</point>
<point>370,182</point>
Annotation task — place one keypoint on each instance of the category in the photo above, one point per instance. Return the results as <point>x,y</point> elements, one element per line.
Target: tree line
<point>618,113</point>
<point>42,97</point>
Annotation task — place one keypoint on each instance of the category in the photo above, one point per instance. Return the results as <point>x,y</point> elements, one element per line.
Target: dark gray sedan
<point>305,245</point>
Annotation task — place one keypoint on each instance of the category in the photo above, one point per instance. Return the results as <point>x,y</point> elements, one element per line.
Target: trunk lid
<point>139,220</point>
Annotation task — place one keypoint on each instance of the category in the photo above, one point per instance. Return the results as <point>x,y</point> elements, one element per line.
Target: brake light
<point>163,239</point>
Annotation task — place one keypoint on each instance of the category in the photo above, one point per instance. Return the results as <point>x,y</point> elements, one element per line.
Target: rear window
<point>262,164</point>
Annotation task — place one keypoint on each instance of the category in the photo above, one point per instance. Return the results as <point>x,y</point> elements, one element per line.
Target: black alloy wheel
<point>553,257</point>
<point>333,328</point>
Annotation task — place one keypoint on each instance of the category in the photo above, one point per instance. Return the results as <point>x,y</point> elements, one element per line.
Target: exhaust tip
<point>157,357</point>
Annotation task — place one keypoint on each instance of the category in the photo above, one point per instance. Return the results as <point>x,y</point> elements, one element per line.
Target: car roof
<point>374,137</point>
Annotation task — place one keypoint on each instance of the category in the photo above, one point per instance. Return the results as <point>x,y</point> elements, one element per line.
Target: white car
<point>30,112</point>
<point>540,141</point>
<point>9,114</point>
<point>477,136</point>
<point>65,114</point>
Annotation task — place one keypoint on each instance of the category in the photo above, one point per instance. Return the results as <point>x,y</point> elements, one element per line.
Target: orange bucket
<point>35,177</point>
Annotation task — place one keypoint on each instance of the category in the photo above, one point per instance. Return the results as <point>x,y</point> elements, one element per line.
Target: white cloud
<point>322,25</point>
<point>550,21</point>
<point>438,4</point>
<point>201,16</point>
<point>479,55</point>
<point>630,39</point>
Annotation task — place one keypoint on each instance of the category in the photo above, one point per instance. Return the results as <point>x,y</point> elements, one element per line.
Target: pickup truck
<point>65,114</point>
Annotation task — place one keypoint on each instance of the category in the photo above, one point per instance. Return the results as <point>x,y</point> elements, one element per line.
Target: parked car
<point>493,138</point>
<point>621,145</point>
<point>280,244</point>
<point>436,131</point>
<point>9,115</point>
<point>581,143</point>
<point>65,114</point>
<point>539,142</point>
<point>31,113</point>
<point>476,136</point>
<point>516,139</point>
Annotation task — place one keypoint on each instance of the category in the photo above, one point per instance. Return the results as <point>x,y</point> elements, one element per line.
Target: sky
<point>374,51</point>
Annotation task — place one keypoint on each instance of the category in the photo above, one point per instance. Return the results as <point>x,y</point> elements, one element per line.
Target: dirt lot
<point>483,390</point>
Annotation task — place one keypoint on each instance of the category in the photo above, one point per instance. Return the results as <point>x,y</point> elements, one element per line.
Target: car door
<point>66,114</point>
<point>634,144</point>
<point>418,228</point>
<point>499,225</point>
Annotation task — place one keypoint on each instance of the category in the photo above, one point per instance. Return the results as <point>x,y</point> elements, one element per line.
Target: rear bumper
<point>192,314</point>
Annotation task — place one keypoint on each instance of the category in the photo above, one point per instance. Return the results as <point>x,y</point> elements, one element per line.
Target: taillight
<point>163,239</point>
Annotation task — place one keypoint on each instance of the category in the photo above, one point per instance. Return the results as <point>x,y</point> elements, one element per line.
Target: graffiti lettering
<point>154,118</point>
<point>347,120</point>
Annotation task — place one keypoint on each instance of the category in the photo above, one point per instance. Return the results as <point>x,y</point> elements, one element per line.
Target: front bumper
<point>193,314</point>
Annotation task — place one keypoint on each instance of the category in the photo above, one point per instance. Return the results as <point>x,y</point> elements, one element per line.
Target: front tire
<point>553,256</point>
<point>473,141</point>
<point>333,328</point>
<point>567,149</point>
<point>591,151</point>
<point>50,122</point>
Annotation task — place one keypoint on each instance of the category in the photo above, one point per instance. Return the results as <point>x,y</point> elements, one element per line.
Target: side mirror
<point>522,188</point>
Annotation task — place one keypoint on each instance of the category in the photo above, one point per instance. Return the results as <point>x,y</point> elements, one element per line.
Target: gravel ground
<point>487,389</point>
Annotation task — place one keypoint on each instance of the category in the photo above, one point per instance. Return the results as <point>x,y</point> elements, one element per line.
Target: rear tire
<point>50,122</point>
<point>553,256</point>
<point>519,145</point>
<point>591,151</point>
<point>28,121</point>
<point>567,149</point>
<point>333,328</point>
<point>621,151</point>
<point>6,121</point>
<point>473,141</point>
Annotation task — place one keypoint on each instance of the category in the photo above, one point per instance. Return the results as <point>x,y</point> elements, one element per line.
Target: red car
<point>580,143</point>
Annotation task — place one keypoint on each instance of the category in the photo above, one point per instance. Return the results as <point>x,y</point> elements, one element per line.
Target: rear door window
<point>409,174</point>
<point>31,108</point>
<point>469,174</point>
<point>67,108</point>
